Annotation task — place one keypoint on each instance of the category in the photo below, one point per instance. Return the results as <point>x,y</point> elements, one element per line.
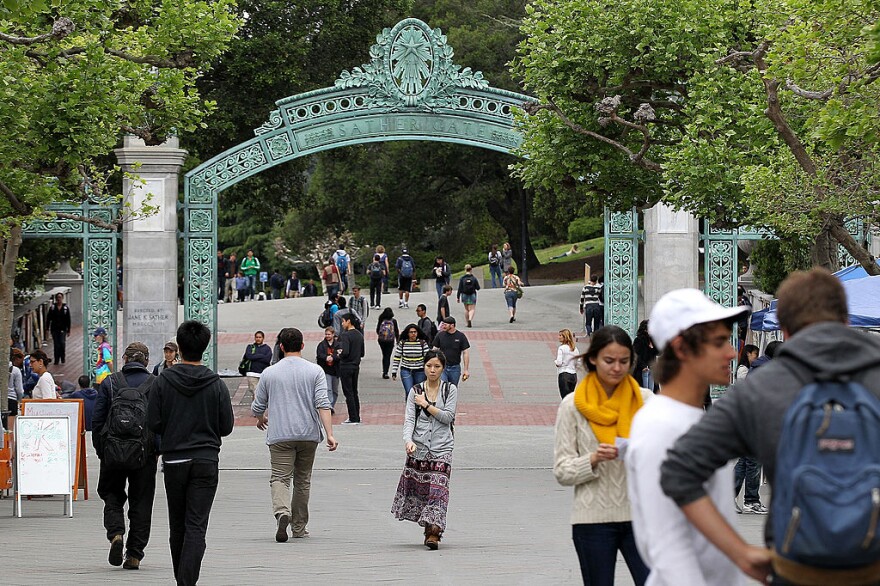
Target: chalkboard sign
<point>42,458</point>
<point>73,409</point>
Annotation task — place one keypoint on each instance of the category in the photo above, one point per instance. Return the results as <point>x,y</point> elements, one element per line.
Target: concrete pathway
<point>508,518</point>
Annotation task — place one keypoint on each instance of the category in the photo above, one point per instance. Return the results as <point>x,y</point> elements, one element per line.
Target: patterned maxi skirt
<point>423,491</point>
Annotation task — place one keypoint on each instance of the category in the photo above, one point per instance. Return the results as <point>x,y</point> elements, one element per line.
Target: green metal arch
<point>411,89</point>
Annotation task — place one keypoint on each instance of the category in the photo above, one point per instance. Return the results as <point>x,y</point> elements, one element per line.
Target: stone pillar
<point>149,244</point>
<point>671,253</point>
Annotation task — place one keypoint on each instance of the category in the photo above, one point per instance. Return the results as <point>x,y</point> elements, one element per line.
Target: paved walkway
<point>508,518</point>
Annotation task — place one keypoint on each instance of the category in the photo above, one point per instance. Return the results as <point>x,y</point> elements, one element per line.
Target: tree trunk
<point>10,248</point>
<point>841,235</point>
<point>824,251</point>
<point>508,213</point>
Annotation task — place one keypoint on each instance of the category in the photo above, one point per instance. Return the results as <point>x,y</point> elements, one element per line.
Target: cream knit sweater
<point>600,493</point>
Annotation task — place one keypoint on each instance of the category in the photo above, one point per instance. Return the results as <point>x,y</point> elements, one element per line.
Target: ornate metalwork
<point>410,90</point>
<point>99,295</point>
<point>721,271</point>
<point>621,269</point>
<point>856,228</point>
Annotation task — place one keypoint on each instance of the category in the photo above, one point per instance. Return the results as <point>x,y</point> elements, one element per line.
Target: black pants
<point>13,407</point>
<point>190,488</point>
<point>348,376</point>
<point>594,318</point>
<point>375,292</point>
<point>567,383</point>
<point>221,287</point>
<point>141,490</point>
<point>387,347</point>
<point>59,346</point>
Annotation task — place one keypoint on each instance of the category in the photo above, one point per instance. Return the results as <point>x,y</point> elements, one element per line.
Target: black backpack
<point>468,285</point>
<point>444,391</point>
<point>377,270</point>
<point>325,320</point>
<point>125,439</point>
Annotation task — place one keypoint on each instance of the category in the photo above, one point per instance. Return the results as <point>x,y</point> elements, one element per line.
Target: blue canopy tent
<point>852,273</point>
<point>863,299</point>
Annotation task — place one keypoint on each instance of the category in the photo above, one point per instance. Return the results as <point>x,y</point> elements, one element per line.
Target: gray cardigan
<point>431,433</point>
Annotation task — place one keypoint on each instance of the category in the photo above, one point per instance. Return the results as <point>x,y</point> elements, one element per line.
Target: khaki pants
<point>292,459</point>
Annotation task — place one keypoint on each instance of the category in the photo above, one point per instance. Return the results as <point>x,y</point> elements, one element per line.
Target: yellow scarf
<point>609,417</point>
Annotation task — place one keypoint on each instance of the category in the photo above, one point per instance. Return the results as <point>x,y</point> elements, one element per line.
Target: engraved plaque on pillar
<point>151,192</point>
<point>670,221</point>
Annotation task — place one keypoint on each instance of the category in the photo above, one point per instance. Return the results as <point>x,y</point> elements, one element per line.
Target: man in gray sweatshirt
<point>294,391</point>
<point>747,421</point>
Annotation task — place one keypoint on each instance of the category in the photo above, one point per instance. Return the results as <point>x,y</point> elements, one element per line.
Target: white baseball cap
<point>680,309</point>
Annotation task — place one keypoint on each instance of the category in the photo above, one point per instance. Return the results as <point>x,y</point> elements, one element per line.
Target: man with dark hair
<point>692,333</point>
<point>112,480</point>
<point>351,350</point>
<point>58,323</point>
<point>294,390</point>
<point>425,324</point>
<point>748,421</point>
<point>443,305</point>
<point>190,410</point>
<point>591,306</point>
<point>456,347</point>
<point>89,397</point>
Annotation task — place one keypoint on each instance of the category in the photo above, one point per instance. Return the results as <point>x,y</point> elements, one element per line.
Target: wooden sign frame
<point>80,472</point>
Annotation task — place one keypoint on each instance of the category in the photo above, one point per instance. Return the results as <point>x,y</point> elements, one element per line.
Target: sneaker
<point>511,320</point>
<point>737,506</point>
<point>406,305</point>
<point>281,532</point>
<point>115,556</point>
<point>400,305</point>
<point>754,509</point>
<point>131,563</point>
<point>385,376</point>
<point>350,422</point>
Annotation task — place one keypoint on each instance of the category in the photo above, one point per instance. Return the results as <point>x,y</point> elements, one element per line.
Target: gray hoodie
<point>292,390</point>
<point>747,421</point>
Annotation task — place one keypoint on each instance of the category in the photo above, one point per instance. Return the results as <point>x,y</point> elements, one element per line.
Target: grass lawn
<point>585,248</point>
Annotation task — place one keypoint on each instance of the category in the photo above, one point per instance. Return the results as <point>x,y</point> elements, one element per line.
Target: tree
<point>73,78</point>
<point>762,114</point>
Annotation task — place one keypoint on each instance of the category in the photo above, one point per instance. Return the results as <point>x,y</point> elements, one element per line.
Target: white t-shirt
<point>566,359</point>
<point>671,547</point>
<point>45,388</point>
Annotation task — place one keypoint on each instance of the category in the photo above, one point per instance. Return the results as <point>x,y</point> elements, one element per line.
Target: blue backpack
<point>406,267</point>
<point>342,264</point>
<point>826,494</point>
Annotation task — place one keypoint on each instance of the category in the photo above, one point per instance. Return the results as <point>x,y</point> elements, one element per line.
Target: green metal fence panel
<point>622,237</point>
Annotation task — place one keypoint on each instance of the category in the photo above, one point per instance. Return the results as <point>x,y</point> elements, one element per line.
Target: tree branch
<point>60,29</point>
<point>19,206</point>
<point>112,225</point>
<point>639,159</point>
<point>810,95</point>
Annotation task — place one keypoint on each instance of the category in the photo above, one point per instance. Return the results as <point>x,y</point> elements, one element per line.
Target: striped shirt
<point>589,295</point>
<point>409,355</point>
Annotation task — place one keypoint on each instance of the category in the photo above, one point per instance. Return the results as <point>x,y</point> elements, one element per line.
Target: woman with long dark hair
<point>409,357</point>
<point>588,425</point>
<point>387,334</point>
<point>646,354</point>
<point>428,440</point>
<point>747,355</point>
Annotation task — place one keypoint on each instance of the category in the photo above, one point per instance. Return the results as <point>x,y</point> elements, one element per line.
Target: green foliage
<point>711,147</point>
<point>586,228</point>
<point>776,259</point>
<point>66,98</point>
<point>38,257</point>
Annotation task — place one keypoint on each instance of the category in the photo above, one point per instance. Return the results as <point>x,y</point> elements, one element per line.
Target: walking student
<point>377,271</point>
<point>170,356</point>
<point>250,267</point>
<point>58,323</point>
<point>468,286</point>
<point>258,356</point>
<point>512,292</point>
<point>692,333</point>
<point>588,424</point>
<point>409,357</point>
<point>566,363</point>
<point>495,266</point>
<point>122,397</point>
<point>440,272</point>
<point>406,271</point>
<point>294,391</point>
<point>456,349</point>
<point>387,334</point>
<point>191,411</point>
<point>591,306</point>
<point>428,440</point>
<point>104,362</point>
<point>351,350</point>
<point>327,354</point>
<point>819,347</point>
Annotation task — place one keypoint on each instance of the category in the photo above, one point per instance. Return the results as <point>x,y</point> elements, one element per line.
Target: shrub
<point>585,229</point>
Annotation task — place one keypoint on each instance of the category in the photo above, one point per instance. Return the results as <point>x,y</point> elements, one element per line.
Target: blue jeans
<point>332,389</point>
<point>495,270</point>
<point>510,297</point>
<point>252,285</point>
<point>748,471</point>
<point>409,378</point>
<point>440,285</point>
<point>451,374</point>
<point>597,545</point>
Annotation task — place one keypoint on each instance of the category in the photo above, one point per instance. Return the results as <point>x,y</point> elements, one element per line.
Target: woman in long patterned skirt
<point>423,491</point>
